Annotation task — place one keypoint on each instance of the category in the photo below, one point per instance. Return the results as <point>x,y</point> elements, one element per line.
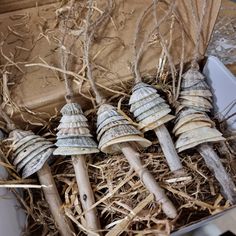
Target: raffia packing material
<point>41,90</point>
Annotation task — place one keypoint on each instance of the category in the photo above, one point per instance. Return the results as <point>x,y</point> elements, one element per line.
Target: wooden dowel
<point>51,194</point>
<point>86,193</point>
<point>213,162</point>
<point>168,149</point>
<point>148,180</point>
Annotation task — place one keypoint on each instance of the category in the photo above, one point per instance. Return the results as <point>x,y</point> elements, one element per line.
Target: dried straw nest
<point>122,201</point>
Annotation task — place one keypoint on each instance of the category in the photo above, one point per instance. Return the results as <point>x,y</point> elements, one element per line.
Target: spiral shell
<point>193,126</point>
<point>30,151</point>
<point>73,136</point>
<point>149,109</point>
<point>113,128</point>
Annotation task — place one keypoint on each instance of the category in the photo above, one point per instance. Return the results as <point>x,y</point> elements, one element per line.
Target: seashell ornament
<point>73,136</point>
<point>193,125</point>
<point>146,100</point>
<point>112,130</point>
<point>30,155</point>
<point>30,152</point>
<point>74,139</point>
<point>117,134</point>
<point>195,129</point>
<point>152,112</point>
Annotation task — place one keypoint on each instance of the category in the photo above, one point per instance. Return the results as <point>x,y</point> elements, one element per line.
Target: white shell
<point>32,155</point>
<point>200,135</point>
<point>139,104</point>
<point>187,111</point>
<point>139,86</point>
<point>30,142</point>
<point>115,129</point>
<point>194,144</point>
<point>153,118</point>
<point>37,163</point>
<point>109,121</point>
<point>73,118</point>
<point>192,125</point>
<point>189,118</point>
<point>193,73</point>
<point>202,106</point>
<point>201,93</point>
<point>141,94</point>
<point>69,151</point>
<point>105,107</point>
<point>154,111</point>
<point>74,137</point>
<point>18,134</point>
<point>201,85</point>
<point>117,132</point>
<point>111,125</point>
<point>73,131</point>
<point>156,123</point>
<point>191,78</point>
<point>76,142</point>
<point>30,151</point>
<point>72,125</point>
<point>106,115</point>
<point>148,106</point>
<point>188,83</point>
<point>198,100</point>
<point>111,147</point>
<point>17,144</point>
<point>71,109</point>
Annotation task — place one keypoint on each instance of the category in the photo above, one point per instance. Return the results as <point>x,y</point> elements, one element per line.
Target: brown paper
<point>31,37</point>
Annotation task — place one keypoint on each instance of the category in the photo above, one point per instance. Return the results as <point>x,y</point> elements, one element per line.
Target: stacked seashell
<point>74,137</point>
<point>193,125</point>
<point>30,151</point>
<point>113,128</point>
<point>149,109</point>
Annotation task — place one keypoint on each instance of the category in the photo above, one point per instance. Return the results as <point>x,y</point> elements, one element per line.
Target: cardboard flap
<point>31,36</point>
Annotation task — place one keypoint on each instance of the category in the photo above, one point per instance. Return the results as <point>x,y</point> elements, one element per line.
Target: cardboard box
<point>31,34</point>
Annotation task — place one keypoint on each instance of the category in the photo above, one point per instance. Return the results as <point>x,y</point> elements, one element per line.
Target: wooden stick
<point>51,194</point>
<point>86,193</point>
<point>169,150</point>
<point>214,164</point>
<point>148,180</point>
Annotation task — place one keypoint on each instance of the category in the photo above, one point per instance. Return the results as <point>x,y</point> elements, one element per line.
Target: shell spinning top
<point>149,109</point>
<point>73,137</point>
<point>30,151</point>
<point>113,128</point>
<point>193,126</point>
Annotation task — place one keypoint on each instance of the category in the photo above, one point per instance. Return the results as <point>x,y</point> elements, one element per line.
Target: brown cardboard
<point>42,90</point>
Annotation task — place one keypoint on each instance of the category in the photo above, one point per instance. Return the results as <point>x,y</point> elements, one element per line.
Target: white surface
<point>223,84</point>
<point>12,218</point>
